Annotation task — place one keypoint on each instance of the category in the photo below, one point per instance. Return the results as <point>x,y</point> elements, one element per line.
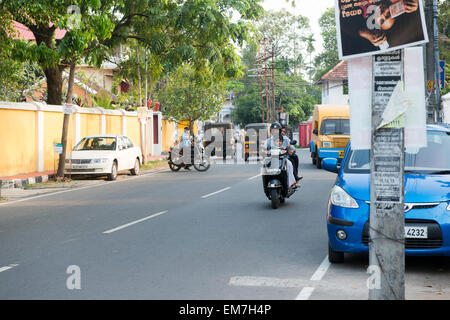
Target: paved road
<point>186,235</point>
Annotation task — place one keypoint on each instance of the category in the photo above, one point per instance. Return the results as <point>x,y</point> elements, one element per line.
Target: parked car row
<point>104,155</point>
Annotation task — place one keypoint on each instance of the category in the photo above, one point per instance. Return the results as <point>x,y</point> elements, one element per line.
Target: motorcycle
<point>199,158</point>
<point>275,177</point>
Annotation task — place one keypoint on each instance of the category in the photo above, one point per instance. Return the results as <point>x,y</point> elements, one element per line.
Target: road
<point>187,235</point>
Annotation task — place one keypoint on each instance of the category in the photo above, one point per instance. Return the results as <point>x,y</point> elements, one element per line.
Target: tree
<point>329,57</point>
<point>290,36</point>
<point>191,95</point>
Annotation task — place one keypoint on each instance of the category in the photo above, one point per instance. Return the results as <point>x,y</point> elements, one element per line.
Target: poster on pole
<point>407,100</point>
<point>368,27</point>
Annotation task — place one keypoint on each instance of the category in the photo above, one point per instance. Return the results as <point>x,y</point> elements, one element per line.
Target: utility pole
<point>146,78</point>
<point>387,221</point>
<point>431,51</point>
<point>265,61</point>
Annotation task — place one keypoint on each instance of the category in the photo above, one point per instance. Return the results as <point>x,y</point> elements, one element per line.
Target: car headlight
<point>326,144</point>
<point>341,198</point>
<point>99,160</point>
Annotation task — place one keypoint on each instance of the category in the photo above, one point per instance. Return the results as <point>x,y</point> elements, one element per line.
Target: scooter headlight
<point>341,198</point>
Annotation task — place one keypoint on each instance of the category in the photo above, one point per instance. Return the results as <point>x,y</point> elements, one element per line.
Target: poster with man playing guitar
<point>367,27</point>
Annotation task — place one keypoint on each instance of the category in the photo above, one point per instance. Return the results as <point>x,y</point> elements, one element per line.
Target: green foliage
<point>328,58</point>
<point>291,38</point>
<point>103,100</point>
<point>16,78</point>
<point>191,95</point>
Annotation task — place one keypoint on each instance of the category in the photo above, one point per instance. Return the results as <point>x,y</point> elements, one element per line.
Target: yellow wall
<point>90,124</point>
<point>167,128</point>
<point>19,137</point>
<point>17,141</point>
<point>52,133</point>
<point>113,124</point>
<point>134,131</point>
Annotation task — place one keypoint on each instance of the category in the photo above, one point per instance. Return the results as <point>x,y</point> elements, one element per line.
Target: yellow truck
<point>330,132</point>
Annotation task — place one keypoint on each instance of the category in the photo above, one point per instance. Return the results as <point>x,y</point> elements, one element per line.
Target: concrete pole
<point>430,65</point>
<point>387,222</point>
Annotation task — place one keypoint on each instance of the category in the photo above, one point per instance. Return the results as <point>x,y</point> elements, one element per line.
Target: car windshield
<point>435,158</point>
<point>96,143</point>
<point>335,126</point>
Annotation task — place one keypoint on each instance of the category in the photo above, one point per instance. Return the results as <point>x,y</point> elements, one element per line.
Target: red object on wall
<point>149,103</point>
<point>156,108</point>
<point>304,133</point>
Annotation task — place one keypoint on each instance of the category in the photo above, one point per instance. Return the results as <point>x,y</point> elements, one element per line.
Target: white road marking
<point>305,293</point>
<point>81,188</point>
<point>259,175</point>
<point>266,282</point>
<point>8,267</point>
<point>320,272</point>
<point>213,193</point>
<point>134,222</point>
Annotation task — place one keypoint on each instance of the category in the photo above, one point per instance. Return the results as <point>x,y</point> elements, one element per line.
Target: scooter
<point>199,158</point>
<point>275,177</point>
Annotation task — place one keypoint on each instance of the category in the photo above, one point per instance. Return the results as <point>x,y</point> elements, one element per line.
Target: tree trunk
<point>53,76</point>
<point>65,129</point>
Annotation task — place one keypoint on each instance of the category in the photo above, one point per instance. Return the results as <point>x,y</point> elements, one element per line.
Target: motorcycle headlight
<point>341,198</point>
<point>326,144</point>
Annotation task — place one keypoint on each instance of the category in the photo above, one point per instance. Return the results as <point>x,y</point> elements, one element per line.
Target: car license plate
<point>416,232</point>
<point>341,154</point>
<point>80,166</point>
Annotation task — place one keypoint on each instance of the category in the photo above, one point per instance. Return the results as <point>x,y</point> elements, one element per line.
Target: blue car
<point>427,200</point>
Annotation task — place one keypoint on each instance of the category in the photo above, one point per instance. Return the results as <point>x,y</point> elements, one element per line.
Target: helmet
<point>275,125</point>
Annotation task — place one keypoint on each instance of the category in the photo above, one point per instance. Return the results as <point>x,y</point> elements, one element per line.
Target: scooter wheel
<point>174,167</point>
<point>275,198</point>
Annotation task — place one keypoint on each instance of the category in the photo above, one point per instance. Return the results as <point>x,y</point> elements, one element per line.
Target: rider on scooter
<point>276,139</point>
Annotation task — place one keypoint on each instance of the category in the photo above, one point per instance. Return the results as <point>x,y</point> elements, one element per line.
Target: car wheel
<point>335,256</point>
<point>318,161</point>
<point>113,175</point>
<point>137,167</point>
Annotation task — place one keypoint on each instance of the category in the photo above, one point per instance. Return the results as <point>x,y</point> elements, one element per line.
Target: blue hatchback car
<point>427,200</point>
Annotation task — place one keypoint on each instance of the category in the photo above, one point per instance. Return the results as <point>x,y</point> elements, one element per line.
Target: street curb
<point>21,183</point>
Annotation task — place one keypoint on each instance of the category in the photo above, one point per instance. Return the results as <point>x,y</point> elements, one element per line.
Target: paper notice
<point>393,115</point>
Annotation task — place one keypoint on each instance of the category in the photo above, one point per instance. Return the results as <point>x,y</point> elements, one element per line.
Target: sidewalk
<point>34,184</point>
<point>23,180</point>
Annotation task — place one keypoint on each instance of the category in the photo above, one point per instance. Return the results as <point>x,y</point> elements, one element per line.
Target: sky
<point>311,9</point>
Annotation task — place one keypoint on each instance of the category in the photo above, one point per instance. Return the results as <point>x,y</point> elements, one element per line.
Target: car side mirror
<point>315,131</point>
<point>330,164</point>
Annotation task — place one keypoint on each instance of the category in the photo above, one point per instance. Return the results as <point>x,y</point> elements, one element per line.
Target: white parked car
<point>104,155</point>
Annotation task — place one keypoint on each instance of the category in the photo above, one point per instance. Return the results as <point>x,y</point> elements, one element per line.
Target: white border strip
<point>219,191</point>
<point>134,222</point>
<point>85,187</point>
<point>320,272</point>
<point>8,267</point>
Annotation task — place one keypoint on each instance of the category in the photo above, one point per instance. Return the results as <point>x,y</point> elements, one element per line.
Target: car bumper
<point>355,223</point>
<point>89,169</point>
<point>331,153</point>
